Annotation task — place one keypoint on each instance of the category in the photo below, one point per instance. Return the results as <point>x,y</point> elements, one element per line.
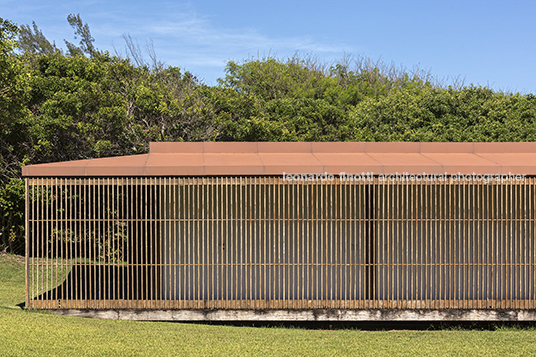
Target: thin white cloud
<point>199,32</point>
<point>181,36</point>
<point>192,42</point>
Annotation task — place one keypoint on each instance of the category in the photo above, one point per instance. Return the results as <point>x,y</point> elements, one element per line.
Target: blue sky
<point>489,43</point>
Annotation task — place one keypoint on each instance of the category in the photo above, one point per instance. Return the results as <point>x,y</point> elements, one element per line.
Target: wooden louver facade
<point>261,242</point>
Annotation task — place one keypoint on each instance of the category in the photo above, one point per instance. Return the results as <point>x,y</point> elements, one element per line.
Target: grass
<point>31,333</point>
<point>11,280</point>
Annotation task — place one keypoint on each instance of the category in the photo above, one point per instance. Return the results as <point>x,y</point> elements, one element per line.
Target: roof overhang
<point>276,158</point>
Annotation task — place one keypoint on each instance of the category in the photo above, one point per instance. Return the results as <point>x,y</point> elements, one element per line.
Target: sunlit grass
<point>31,333</point>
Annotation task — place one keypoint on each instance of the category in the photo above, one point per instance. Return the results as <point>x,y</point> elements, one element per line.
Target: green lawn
<point>24,333</point>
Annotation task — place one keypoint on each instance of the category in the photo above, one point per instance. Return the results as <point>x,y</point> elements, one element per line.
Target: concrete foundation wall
<point>305,315</point>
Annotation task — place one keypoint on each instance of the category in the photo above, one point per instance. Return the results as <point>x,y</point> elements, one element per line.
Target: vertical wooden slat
<point>73,245</point>
<point>110,237</point>
<point>65,228</point>
<point>426,224</point>
<point>218,240</point>
<point>241,249</point>
<point>499,225</point>
<point>95,262</point>
<point>496,232</point>
<point>265,229</point>
<point>487,245</point>
<point>532,246</point>
<point>33,236</point>
<point>511,245</point>
<point>40,239</point>
<point>175,231</point>
<point>145,238</point>
<point>122,278</point>
<point>199,261</point>
<point>529,240</point>
<point>46,241</point>
<point>345,242</point>
<point>27,242</point>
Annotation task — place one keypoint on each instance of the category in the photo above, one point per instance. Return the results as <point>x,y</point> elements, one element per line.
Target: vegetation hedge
<point>84,103</point>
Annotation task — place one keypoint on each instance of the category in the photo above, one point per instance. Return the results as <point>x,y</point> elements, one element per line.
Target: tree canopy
<point>80,103</point>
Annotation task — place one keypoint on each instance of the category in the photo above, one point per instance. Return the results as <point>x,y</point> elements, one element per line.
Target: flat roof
<point>276,158</point>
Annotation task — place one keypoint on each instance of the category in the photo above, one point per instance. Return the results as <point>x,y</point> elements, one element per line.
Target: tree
<point>32,40</point>
<point>436,114</point>
<point>13,79</point>
<point>86,40</point>
<point>13,89</point>
<point>10,71</point>
<point>77,109</point>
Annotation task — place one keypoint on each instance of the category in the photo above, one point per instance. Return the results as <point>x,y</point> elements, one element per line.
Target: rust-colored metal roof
<point>273,158</point>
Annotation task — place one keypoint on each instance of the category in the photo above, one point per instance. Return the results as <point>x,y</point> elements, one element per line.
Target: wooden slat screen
<point>266,243</point>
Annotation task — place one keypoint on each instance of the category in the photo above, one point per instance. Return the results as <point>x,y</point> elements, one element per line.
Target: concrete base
<point>304,315</point>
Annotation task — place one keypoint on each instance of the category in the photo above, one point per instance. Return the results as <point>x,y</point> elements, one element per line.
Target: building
<point>287,231</point>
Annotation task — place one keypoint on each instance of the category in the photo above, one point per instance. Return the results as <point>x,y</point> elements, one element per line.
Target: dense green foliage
<point>83,103</point>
